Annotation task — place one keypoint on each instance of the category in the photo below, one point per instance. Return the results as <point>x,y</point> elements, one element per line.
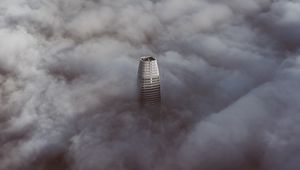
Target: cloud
<point>229,77</point>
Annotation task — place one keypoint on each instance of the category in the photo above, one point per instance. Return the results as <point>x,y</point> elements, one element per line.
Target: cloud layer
<point>229,73</point>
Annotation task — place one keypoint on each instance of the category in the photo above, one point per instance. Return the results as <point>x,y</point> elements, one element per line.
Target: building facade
<point>149,82</point>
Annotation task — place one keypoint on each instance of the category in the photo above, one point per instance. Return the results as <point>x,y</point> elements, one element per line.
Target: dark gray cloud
<point>229,72</point>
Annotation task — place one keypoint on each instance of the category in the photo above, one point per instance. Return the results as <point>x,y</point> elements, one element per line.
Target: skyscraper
<point>149,82</point>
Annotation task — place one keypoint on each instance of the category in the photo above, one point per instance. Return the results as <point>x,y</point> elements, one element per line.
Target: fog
<point>229,80</point>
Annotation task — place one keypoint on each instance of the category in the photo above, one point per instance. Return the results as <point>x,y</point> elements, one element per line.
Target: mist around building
<point>75,93</point>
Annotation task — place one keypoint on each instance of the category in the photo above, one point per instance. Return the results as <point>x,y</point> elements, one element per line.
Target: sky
<point>229,70</point>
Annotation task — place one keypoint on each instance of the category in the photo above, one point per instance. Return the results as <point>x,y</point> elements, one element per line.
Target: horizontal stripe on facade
<point>148,79</point>
<point>150,96</point>
<point>150,85</point>
<point>150,91</point>
<point>153,77</point>
<point>150,88</point>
